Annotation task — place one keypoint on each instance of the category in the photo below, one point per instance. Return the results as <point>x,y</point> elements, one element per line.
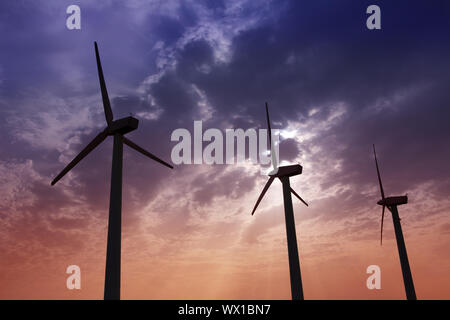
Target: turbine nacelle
<point>122,126</point>
<point>287,171</point>
<point>393,201</point>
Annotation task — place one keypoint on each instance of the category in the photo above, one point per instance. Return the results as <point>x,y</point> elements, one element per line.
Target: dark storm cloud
<point>232,185</point>
<point>411,142</point>
<point>301,62</point>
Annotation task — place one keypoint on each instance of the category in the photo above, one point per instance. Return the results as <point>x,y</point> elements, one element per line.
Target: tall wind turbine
<point>116,128</point>
<point>283,173</point>
<point>391,203</point>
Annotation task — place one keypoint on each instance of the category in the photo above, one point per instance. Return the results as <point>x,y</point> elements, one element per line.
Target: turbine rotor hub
<point>393,201</point>
<point>123,125</point>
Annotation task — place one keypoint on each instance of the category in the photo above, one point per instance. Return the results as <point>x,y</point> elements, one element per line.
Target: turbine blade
<point>131,144</point>
<point>382,221</point>
<point>105,98</point>
<point>300,198</point>
<point>378,173</point>
<point>91,146</point>
<point>268,183</point>
<point>268,127</point>
<point>272,149</point>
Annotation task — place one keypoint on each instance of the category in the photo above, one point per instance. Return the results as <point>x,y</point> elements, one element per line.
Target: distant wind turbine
<point>283,173</point>
<point>116,128</point>
<point>391,203</point>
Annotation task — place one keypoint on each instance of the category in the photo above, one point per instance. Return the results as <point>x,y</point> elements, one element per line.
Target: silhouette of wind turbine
<point>391,203</point>
<point>283,173</point>
<point>116,128</point>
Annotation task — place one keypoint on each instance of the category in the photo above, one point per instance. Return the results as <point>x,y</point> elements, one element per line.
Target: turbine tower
<point>116,128</point>
<point>283,173</point>
<point>391,203</point>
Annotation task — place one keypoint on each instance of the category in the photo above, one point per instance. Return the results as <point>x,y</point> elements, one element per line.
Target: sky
<point>334,88</point>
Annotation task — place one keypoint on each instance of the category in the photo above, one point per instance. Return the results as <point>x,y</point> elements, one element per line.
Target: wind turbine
<point>283,173</point>
<point>391,203</point>
<point>116,128</point>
